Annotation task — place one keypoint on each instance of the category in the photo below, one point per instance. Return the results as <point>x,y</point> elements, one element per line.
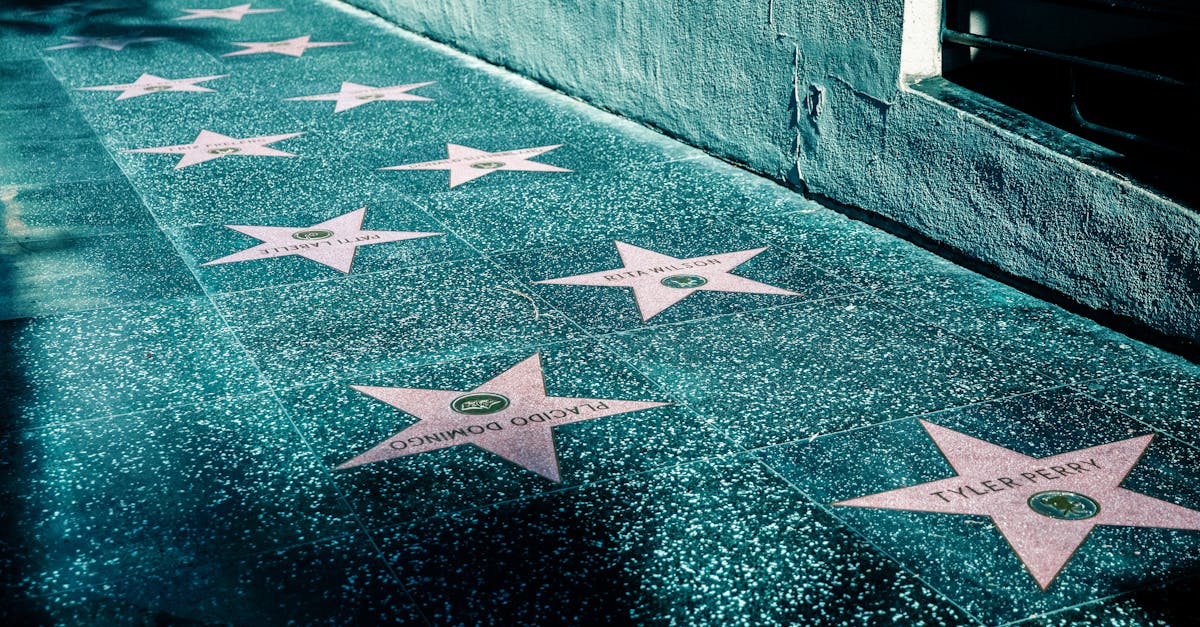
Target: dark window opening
<point>1124,74</point>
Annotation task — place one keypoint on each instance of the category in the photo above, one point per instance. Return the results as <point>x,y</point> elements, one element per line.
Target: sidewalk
<point>265,277</point>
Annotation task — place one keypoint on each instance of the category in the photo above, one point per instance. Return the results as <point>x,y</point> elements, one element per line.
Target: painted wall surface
<point>808,91</point>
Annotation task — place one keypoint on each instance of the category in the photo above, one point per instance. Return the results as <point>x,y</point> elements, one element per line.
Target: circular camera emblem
<point>158,88</point>
<point>487,165</point>
<point>312,234</point>
<point>369,96</point>
<point>1063,505</point>
<point>225,150</point>
<point>479,403</point>
<point>684,281</point>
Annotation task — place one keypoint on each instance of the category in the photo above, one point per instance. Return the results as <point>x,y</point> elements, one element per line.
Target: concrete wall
<point>809,92</point>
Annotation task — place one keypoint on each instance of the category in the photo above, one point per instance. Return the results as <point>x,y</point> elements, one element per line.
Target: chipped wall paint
<point>808,92</point>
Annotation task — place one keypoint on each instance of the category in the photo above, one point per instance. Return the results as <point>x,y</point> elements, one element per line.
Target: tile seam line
<point>559,490</point>
<point>1157,430</point>
<point>1029,620</point>
<point>270,393</point>
<point>864,539</point>
<point>1000,348</point>
<point>914,416</point>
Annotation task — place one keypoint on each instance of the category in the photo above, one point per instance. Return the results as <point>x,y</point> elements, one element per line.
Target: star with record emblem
<point>108,43</point>
<point>1045,507</point>
<point>209,145</point>
<point>511,415</point>
<point>659,281</point>
<point>330,243</point>
<point>467,164</point>
<point>235,13</point>
<point>147,84</point>
<point>353,95</point>
<point>294,47</point>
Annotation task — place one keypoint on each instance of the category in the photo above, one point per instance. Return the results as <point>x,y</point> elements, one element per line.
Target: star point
<point>659,281</point>
<point>511,415</point>
<point>331,243</point>
<point>294,47</point>
<point>1046,507</point>
<point>234,13</point>
<point>353,95</point>
<point>209,145</point>
<point>467,164</point>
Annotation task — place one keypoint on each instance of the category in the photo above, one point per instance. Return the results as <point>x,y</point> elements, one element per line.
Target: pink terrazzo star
<point>659,281</point>
<point>467,164</point>
<point>108,43</point>
<point>1044,507</point>
<point>510,415</point>
<point>234,13</point>
<point>294,47</point>
<point>150,84</point>
<point>353,95</point>
<point>209,145</point>
<point>331,243</point>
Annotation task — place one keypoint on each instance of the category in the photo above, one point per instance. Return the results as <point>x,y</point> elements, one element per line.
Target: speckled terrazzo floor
<point>553,369</point>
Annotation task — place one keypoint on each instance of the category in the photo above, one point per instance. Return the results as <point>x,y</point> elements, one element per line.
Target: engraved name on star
<point>108,43</point>
<point>293,47</point>
<point>1045,507</point>
<point>209,145</point>
<point>235,13</point>
<point>331,243</point>
<point>467,164</point>
<point>147,84</point>
<point>511,415</point>
<point>659,281</point>
<point>353,95</point>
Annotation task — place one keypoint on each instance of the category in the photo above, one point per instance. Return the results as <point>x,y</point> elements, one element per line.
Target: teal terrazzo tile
<point>1167,398</point>
<point>768,278</point>
<point>158,120</point>
<point>29,85</point>
<point>118,107</point>
<point>337,582</point>
<point>239,189</point>
<point>82,67</point>
<point>326,330</point>
<point>960,550</point>
<point>725,543</point>
<point>161,489</point>
<point>47,276</point>
<point>45,162</point>
<point>48,124</point>
<point>1065,346</point>
<point>1159,606</point>
<point>539,210</point>
<point>114,361</point>
<point>35,212</point>
<point>344,423</point>
<point>329,40</point>
<point>22,39</point>
<point>319,75</point>
<point>209,243</point>
<point>849,250</point>
<point>732,193</point>
<point>476,110</point>
<point>790,373</point>
<point>597,161</point>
